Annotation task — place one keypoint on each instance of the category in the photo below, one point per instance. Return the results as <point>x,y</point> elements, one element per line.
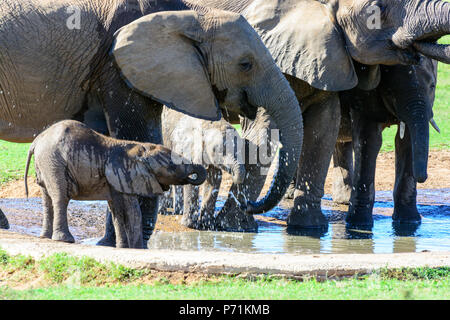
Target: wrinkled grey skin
<point>205,142</point>
<point>74,162</point>
<point>261,148</point>
<point>50,72</point>
<point>318,57</point>
<point>405,93</point>
<point>4,224</point>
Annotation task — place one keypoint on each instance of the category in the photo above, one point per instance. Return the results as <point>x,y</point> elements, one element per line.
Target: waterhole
<point>433,234</point>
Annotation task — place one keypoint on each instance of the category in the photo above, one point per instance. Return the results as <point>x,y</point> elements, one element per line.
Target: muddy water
<point>433,234</point>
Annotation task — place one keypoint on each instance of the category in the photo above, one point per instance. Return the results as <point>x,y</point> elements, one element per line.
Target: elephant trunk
<point>196,176</point>
<point>234,167</point>
<point>419,133</point>
<point>417,122</point>
<point>285,111</point>
<point>432,22</point>
<point>435,51</point>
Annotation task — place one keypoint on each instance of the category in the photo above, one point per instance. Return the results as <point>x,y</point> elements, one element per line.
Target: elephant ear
<point>157,56</point>
<point>127,172</point>
<point>304,41</point>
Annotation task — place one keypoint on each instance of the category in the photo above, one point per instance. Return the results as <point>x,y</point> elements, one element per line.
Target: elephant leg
<point>321,127</point>
<point>165,202</point>
<point>149,212</point>
<point>232,217</point>
<point>367,140</point>
<point>109,237</point>
<point>126,216</point>
<point>190,207</point>
<point>4,224</point>
<point>131,116</point>
<point>342,172</point>
<point>178,200</point>
<point>60,225</point>
<point>254,132</point>
<point>209,192</point>
<point>405,192</point>
<point>47,224</point>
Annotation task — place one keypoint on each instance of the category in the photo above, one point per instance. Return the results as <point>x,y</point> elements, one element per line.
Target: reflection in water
<point>307,232</point>
<point>345,240</point>
<point>405,229</point>
<point>404,244</point>
<point>385,237</point>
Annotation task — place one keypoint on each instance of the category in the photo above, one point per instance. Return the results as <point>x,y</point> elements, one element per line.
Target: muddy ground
<point>21,214</point>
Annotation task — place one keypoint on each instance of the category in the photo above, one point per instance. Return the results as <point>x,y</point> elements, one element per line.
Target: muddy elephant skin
<point>73,161</point>
<point>218,146</point>
<point>318,46</point>
<point>112,64</point>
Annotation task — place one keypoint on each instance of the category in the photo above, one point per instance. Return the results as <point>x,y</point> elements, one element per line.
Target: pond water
<point>433,234</point>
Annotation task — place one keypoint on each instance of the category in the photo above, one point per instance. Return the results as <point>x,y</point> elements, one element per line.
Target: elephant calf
<point>215,144</point>
<point>74,162</point>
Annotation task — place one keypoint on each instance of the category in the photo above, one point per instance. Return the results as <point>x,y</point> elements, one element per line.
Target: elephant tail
<point>30,154</point>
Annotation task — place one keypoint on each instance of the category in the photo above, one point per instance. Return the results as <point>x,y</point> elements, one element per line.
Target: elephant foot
<point>341,195</point>
<point>190,221</point>
<point>4,224</point>
<point>359,217</point>
<point>46,234</point>
<point>106,242</point>
<point>404,214</point>
<point>63,236</point>
<point>306,216</point>
<point>235,221</point>
<point>206,222</point>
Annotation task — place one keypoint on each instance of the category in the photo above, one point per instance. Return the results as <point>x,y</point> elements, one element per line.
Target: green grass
<point>13,157</point>
<point>84,278</point>
<point>242,290</point>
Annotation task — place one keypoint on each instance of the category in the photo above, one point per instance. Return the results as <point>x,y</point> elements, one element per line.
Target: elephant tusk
<point>402,129</point>
<point>434,125</point>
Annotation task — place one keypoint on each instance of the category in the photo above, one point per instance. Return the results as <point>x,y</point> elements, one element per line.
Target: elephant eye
<point>245,66</point>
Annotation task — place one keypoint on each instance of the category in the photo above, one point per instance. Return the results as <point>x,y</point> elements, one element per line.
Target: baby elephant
<point>214,144</point>
<point>74,162</point>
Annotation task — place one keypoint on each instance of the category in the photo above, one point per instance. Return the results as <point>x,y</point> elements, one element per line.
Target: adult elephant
<point>111,64</point>
<point>404,97</point>
<point>316,45</point>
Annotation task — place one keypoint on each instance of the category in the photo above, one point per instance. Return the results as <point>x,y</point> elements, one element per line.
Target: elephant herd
<point>130,75</point>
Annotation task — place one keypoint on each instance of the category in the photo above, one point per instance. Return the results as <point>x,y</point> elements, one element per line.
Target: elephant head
<point>408,93</point>
<point>200,63</point>
<point>317,41</point>
<point>147,169</point>
<point>224,148</point>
